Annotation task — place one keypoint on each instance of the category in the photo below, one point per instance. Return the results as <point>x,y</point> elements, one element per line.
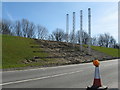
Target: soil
<point>69,53</point>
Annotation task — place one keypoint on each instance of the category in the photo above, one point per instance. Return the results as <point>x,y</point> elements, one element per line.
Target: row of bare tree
<point>25,28</point>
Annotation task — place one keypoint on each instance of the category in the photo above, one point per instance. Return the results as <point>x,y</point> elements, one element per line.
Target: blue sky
<point>52,15</point>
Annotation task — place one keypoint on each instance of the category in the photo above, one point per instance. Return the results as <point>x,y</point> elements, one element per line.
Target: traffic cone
<point>97,80</point>
<point>97,85</point>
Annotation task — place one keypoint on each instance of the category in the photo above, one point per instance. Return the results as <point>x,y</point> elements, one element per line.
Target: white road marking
<point>40,78</point>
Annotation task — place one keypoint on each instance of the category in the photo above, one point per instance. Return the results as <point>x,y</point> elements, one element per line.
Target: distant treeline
<point>25,28</point>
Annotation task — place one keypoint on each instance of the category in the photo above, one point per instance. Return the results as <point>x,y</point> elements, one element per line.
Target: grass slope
<point>109,51</point>
<point>16,49</point>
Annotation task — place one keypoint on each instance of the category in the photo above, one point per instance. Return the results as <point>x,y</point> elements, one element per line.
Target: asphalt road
<point>68,76</point>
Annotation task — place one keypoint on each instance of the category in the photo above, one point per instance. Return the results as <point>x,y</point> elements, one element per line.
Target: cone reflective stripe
<point>97,80</point>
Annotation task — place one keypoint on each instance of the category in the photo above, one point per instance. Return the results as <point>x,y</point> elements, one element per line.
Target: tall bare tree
<point>17,28</point>
<point>84,36</point>
<point>31,30</point>
<point>112,42</point>
<point>42,32</point>
<point>6,27</point>
<point>106,40</point>
<point>58,34</point>
<point>94,41</point>
<point>51,37</point>
<point>25,27</point>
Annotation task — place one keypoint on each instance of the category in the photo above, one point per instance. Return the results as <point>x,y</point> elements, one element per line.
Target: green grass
<point>109,51</point>
<point>16,49</point>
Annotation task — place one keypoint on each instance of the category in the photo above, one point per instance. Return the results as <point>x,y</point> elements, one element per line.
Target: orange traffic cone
<point>97,85</point>
<point>97,80</point>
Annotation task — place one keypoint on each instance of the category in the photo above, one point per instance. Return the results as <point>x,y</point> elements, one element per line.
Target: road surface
<point>68,76</point>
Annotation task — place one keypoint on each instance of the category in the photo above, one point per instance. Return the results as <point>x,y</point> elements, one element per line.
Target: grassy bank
<point>109,51</point>
<point>16,49</point>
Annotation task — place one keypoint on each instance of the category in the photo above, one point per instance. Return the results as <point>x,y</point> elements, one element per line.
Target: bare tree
<point>58,34</point>
<point>94,41</point>
<point>74,37</point>
<point>71,37</point>
<point>28,29</point>
<point>51,37</point>
<point>17,28</point>
<point>112,42</point>
<point>31,30</point>
<point>42,32</point>
<point>6,27</point>
<point>66,37</point>
<point>101,40</point>
<point>106,40</point>
<point>25,26</point>
<point>85,37</point>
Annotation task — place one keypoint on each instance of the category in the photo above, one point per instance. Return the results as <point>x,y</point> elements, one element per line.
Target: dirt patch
<point>68,53</point>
